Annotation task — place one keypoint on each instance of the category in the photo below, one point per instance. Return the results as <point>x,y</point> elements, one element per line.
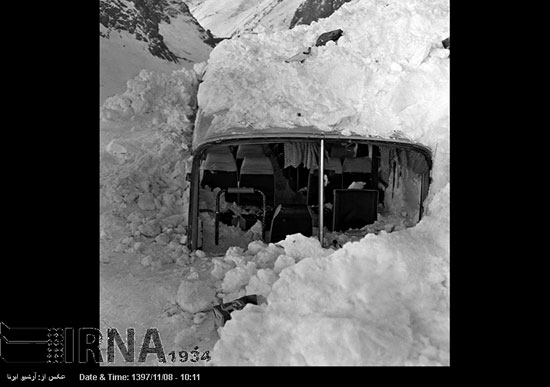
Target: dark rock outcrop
<point>313,10</point>
<point>142,21</point>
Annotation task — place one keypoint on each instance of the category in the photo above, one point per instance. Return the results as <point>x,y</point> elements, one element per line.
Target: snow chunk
<point>282,262</point>
<point>299,247</point>
<point>146,201</point>
<point>238,277</point>
<point>146,261</point>
<point>162,239</point>
<point>151,229</point>
<point>200,254</point>
<point>267,256</point>
<point>115,148</point>
<point>254,247</point>
<point>195,296</point>
<point>220,268</point>
<point>173,220</point>
<point>261,282</point>
<point>235,255</point>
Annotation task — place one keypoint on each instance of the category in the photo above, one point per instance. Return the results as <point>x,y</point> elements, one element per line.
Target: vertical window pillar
<point>194,203</point>
<point>321,191</point>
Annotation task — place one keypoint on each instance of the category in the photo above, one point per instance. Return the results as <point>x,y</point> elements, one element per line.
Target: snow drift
<point>144,153</point>
<point>384,77</point>
<point>385,299</point>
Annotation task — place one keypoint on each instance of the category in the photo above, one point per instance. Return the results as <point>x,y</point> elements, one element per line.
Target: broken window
<point>251,191</point>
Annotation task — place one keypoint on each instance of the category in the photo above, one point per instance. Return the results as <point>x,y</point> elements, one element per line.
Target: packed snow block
<point>116,149</point>
<point>151,229</point>
<point>282,262</point>
<point>261,282</point>
<point>200,254</point>
<point>146,261</point>
<point>267,256</point>
<point>146,201</point>
<point>183,260</point>
<point>173,220</point>
<point>301,56</point>
<point>235,254</point>
<point>238,277</point>
<point>299,247</point>
<point>255,247</point>
<point>220,268</point>
<point>328,36</point>
<point>195,296</point>
<point>162,239</point>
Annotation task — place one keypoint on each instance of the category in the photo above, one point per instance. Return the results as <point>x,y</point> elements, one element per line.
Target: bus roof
<point>210,129</point>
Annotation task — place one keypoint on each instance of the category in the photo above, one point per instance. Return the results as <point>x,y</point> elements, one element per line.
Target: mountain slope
<point>313,10</point>
<point>159,35</point>
<point>226,18</point>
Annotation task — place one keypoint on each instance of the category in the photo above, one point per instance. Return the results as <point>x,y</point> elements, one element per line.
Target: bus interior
<point>266,190</point>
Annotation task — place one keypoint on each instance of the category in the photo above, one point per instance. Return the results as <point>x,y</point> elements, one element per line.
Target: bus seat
<point>257,172</point>
<point>357,169</point>
<point>220,171</point>
<point>290,219</point>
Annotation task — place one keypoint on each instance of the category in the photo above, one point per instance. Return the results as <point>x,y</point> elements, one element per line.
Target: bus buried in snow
<point>249,183</point>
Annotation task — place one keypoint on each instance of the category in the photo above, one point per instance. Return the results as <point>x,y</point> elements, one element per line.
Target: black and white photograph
<point>217,121</point>
<point>274,190</point>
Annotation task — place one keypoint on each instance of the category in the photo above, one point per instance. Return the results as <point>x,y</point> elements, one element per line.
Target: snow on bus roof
<point>388,73</point>
<point>208,132</point>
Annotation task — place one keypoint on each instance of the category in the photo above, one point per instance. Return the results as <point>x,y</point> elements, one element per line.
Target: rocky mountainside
<point>143,18</point>
<point>163,35</point>
<point>313,10</point>
<point>226,18</point>
<point>158,35</point>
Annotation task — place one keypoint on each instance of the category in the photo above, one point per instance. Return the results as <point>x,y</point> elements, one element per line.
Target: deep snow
<point>382,300</point>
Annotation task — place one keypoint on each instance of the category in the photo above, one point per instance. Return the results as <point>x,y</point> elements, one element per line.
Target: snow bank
<point>256,269</point>
<point>148,131</point>
<point>382,300</point>
<point>195,296</point>
<point>387,75</point>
